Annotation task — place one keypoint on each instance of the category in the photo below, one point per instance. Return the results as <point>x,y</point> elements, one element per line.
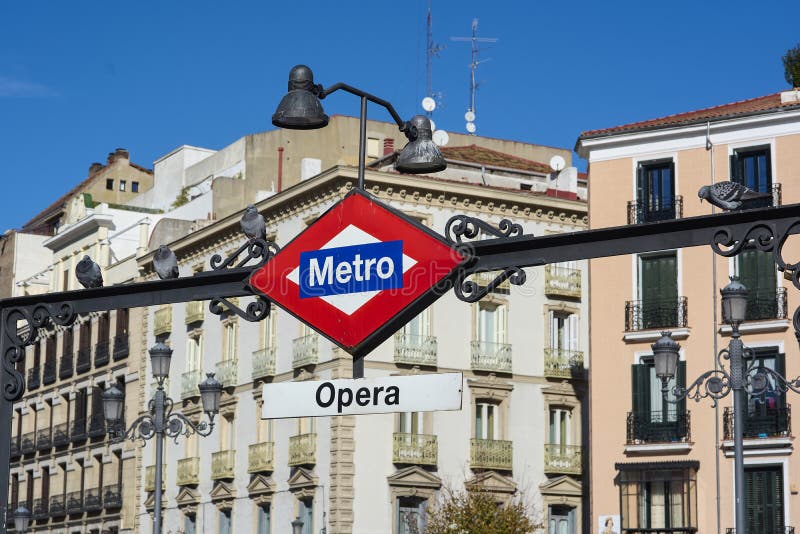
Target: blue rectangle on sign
<point>352,269</point>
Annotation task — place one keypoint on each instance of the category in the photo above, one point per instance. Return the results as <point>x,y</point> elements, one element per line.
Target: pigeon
<point>88,273</point>
<point>253,224</point>
<point>728,195</point>
<point>165,263</point>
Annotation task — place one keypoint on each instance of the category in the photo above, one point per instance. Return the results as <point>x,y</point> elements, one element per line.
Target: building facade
<point>658,466</point>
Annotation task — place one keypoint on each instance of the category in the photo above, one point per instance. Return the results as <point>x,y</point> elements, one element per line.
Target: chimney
<point>95,167</point>
<point>110,158</point>
<point>122,153</point>
<point>388,146</point>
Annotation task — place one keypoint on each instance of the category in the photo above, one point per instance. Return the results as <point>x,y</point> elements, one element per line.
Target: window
<point>305,511</point>
<point>122,185</point>
<point>409,423</point>
<point>229,340</point>
<point>189,525</point>
<point>563,331</point>
<point>659,496</point>
<point>653,419</point>
<point>134,187</point>
<point>655,191</point>
<point>263,519</point>
<point>420,326</point>
<point>562,520</point>
<point>110,184</point>
<point>373,147</point>
<point>491,322</point>
<point>194,352</point>
<point>411,515</point>
<point>756,270</point>
<point>225,522</point>
<point>752,167</point>
<point>764,498</point>
<point>658,291</point>
<point>560,423</point>
<point>486,421</point>
<point>767,413</point>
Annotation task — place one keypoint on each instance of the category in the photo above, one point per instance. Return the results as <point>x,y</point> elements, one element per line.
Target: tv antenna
<point>431,51</point>
<point>470,114</point>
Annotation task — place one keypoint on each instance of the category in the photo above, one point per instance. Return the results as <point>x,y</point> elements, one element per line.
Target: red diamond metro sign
<point>359,272</point>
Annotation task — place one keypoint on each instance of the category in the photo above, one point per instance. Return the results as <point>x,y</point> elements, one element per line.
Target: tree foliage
<point>791,66</point>
<point>477,512</point>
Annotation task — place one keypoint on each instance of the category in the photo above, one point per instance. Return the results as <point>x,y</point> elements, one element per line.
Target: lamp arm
<point>715,384</point>
<point>758,383</point>
<point>180,425</point>
<point>403,125</point>
<point>144,428</point>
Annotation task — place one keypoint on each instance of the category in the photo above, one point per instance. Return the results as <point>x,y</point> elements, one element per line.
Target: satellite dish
<point>433,125</point>
<point>471,127</point>
<point>441,138</point>
<point>428,104</point>
<point>557,163</point>
<point>469,116</point>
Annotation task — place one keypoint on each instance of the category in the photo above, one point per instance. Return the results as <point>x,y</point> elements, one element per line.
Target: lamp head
<point>113,404</point>
<point>420,155</point>
<point>160,357</point>
<point>301,109</point>
<point>734,302</point>
<point>666,352</point>
<point>210,393</point>
<point>22,518</point>
<point>297,526</point>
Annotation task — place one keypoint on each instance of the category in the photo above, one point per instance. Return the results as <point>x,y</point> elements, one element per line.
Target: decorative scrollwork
<point>714,384</point>
<point>254,249</point>
<point>258,310</point>
<point>760,235</point>
<point>470,291</point>
<point>764,380</point>
<point>461,227</point>
<point>783,265</point>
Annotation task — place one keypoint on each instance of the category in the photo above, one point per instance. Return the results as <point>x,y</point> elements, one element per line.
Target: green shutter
<point>640,378</point>
<point>681,382</point>
<point>659,286</point>
<point>736,169</point>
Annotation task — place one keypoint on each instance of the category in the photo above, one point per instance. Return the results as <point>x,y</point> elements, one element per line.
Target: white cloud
<point>11,87</point>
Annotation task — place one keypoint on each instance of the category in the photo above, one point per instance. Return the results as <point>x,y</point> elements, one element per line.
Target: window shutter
<point>669,195</point>
<point>681,382</point>
<point>735,169</point>
<point>641,187</point>
<point>573,332</point>
<point>640,378</point>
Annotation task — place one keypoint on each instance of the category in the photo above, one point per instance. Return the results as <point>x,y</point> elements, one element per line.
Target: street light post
<point>160,420</point>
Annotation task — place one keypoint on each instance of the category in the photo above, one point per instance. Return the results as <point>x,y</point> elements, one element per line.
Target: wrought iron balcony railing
<point>49,373</point>
<point>655,313</point>
<point>65,368</point>
<point>562,281</point>
<point>150,478</point>
<point>223,465</point>
<point>491,454</point>
<point>195,311</point>
<point>765,422</point>
<point>264,362</point>
<point>415,350</point>
<point>228,372</point>
<point>415,449</point>
<point>188,472</point>
<point>101,356</point>
<point>27,443</point>
<point>491,357</point>
<point>84,360</point>
<point>43,439</point>
<point>305,350</point>
<point>57,506</point>
<point>658,427</point>
<point>762,530</point>
<point>260,457</point>
<point>663,209</point>
<point>61,435</point>
<point>15,451</point>
<point>121,348</point>
<point>78,430</point>
<point>97,425</point>
<point>563,363</point>
<point>302,450</point>
<point>93,500</point>
<point>75,502</point>
<point>189,383</point>
<point>34,377</point>
<point>162,321</point>
<point>766,304</point>
<point>563,459</point>
<point>112,496</point>
<point>40,507</point>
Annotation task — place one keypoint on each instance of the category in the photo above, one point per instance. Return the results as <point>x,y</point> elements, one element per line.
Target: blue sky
<point>78,79</point>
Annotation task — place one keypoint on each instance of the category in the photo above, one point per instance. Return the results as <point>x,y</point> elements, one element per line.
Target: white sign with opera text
<point>386,394</point>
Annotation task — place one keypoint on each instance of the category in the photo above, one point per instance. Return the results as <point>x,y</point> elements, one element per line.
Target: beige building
<point>661,467</point>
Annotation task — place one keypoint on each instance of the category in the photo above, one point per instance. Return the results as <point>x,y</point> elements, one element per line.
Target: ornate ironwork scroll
<point>256,311</point>
<point>260,250</point>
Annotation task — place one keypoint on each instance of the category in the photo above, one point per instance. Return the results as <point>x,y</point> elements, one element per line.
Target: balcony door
<point>756,271</point>
<point>655,191</point>
<point>752,168</point>
<point>658,286</point>
<point>563,331</point>
<point>562,520</point>
<point>764,498</point>
<point>655,419</point>
<point>767,414</point>
<point>418,327</point>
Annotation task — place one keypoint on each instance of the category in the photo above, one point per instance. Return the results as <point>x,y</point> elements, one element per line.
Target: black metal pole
<point>362,142</point>
<point>158,416</point>
<point>6,410</point>
<point>736,351</point>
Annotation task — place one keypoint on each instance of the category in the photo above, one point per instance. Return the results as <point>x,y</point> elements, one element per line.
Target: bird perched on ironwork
<point>88,273</point>
<point>165,263</point>
<point>253,224</point>
<point>728,195</point>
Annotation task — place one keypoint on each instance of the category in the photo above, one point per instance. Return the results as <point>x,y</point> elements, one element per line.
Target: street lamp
<point>22,518</point>
<point>301,109</point>
<point>160,420</point>
<point>297,526</point>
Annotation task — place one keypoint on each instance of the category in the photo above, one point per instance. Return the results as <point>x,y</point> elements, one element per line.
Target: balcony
<point>563,459</point>
<point>57,507</point>
<point>97,425</point>
<point>490,357</point>
<point>49,373</point>
<point>121,348</point>
<point>763,304</point>
<point>228,372</point>
<point>43,440</point>
<point>34,377</point>
<point>61,435</point>
<point>776,530</point>
<point>411,349</point>
<point>28,443</point>
<point>195,312</point>
<point>75,502</point>
<point>78,430</point>
<point>112,496</point>
<point>769,423</point>
<point>101,356</point>
<point>150,477</point>
<point>222,465</point>
<point>415,449</point>
<point>14,449</point>
<point>656,427</point>
<point>162,321</point>
<point>562,281</point>
<point>93,501</point>
<point>663,209</point>
<point>563,363</point>
<point>65,368</point>
<point>189,382</point>
<point>490,454</point>
<point>260,456</point>
<point>264,362</point>
<point>188,472</point>
<point>485,278</point>
<point>302,450</point>
<point>305,350</point>
<point>654,314</point>
<point>40,507</point>
<point>84,361</point>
